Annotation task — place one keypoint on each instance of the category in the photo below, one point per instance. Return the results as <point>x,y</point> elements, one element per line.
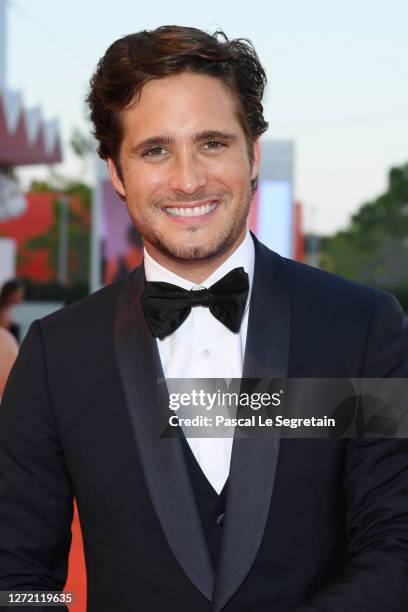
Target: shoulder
<point>336,301</point>
<point>312,287</point>
<point>329,286</point>
<point>93,308</point>
<point>86,322</point>
<point>8,354</point>
<point>362,327</point>
<point>8,344</point>
<point>78,338</point>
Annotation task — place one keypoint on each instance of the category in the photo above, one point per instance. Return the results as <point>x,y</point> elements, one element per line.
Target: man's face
<point>185,169</point>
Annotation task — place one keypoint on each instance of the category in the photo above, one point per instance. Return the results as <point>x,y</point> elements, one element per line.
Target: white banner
<point>7,259</point>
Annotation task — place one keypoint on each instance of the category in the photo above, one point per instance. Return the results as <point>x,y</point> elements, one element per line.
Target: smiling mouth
<point>193,211</point>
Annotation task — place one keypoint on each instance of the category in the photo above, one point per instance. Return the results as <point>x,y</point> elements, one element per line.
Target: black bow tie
<point>167,306</point>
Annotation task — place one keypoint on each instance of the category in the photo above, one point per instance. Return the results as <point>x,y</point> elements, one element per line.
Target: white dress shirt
<point>202,347</point>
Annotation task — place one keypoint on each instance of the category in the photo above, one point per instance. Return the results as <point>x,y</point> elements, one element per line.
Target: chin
<point>191,253</point>
<point>200,251</point>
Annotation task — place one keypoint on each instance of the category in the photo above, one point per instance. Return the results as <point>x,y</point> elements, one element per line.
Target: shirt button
<point>205,354</point>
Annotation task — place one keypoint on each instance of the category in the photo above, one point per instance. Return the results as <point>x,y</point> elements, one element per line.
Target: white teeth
<point>191,212</point>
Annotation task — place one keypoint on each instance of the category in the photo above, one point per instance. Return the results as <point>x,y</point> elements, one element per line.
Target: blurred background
<point>334,181</point>
<point>333,188</point>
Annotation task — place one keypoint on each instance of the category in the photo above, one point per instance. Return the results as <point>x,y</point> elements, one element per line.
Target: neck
<point>193,271</point>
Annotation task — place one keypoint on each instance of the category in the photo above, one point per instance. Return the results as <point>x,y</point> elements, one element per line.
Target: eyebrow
<point>165,140</point>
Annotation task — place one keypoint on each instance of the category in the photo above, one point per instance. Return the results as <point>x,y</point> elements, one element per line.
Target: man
<point>199,524</point>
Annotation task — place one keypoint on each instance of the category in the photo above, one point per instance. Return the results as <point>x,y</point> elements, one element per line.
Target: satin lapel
<point>162,458</point>
<point>254,461</point>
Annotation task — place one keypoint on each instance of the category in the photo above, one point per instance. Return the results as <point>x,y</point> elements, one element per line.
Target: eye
<point>214,144</point>
<point>154,152</point>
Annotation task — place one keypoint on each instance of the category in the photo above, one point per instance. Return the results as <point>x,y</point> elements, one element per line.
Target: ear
<point>257,159</point>
<point>116,180</point>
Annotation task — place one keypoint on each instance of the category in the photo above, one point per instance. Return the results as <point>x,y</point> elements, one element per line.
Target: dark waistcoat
<point>211,506</point>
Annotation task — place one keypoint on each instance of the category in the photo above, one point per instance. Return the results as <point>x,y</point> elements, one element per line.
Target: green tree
<point>374,248</point>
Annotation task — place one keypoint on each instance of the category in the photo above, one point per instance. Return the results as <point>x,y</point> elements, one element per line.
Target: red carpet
<point>76,582</point>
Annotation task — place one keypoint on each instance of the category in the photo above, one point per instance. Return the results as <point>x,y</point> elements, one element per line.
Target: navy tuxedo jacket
<point>310,525</point>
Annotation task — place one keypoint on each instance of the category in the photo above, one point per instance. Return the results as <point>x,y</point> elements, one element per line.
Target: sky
<point>337,80</point>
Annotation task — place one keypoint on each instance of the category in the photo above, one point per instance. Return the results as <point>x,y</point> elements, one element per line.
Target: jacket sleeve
<point>36,498</point>
<point>375,480</point>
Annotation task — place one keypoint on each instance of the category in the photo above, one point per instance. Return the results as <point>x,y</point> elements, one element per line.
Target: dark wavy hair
<point>133,60</point>
<point>7,290</point>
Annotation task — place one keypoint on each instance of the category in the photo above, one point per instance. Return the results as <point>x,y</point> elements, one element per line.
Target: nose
<point>188,173</point>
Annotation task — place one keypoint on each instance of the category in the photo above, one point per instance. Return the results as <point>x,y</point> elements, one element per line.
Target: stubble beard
<point>201,248</point>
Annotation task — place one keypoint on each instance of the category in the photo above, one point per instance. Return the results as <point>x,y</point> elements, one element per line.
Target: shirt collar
<point>243,256</point>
